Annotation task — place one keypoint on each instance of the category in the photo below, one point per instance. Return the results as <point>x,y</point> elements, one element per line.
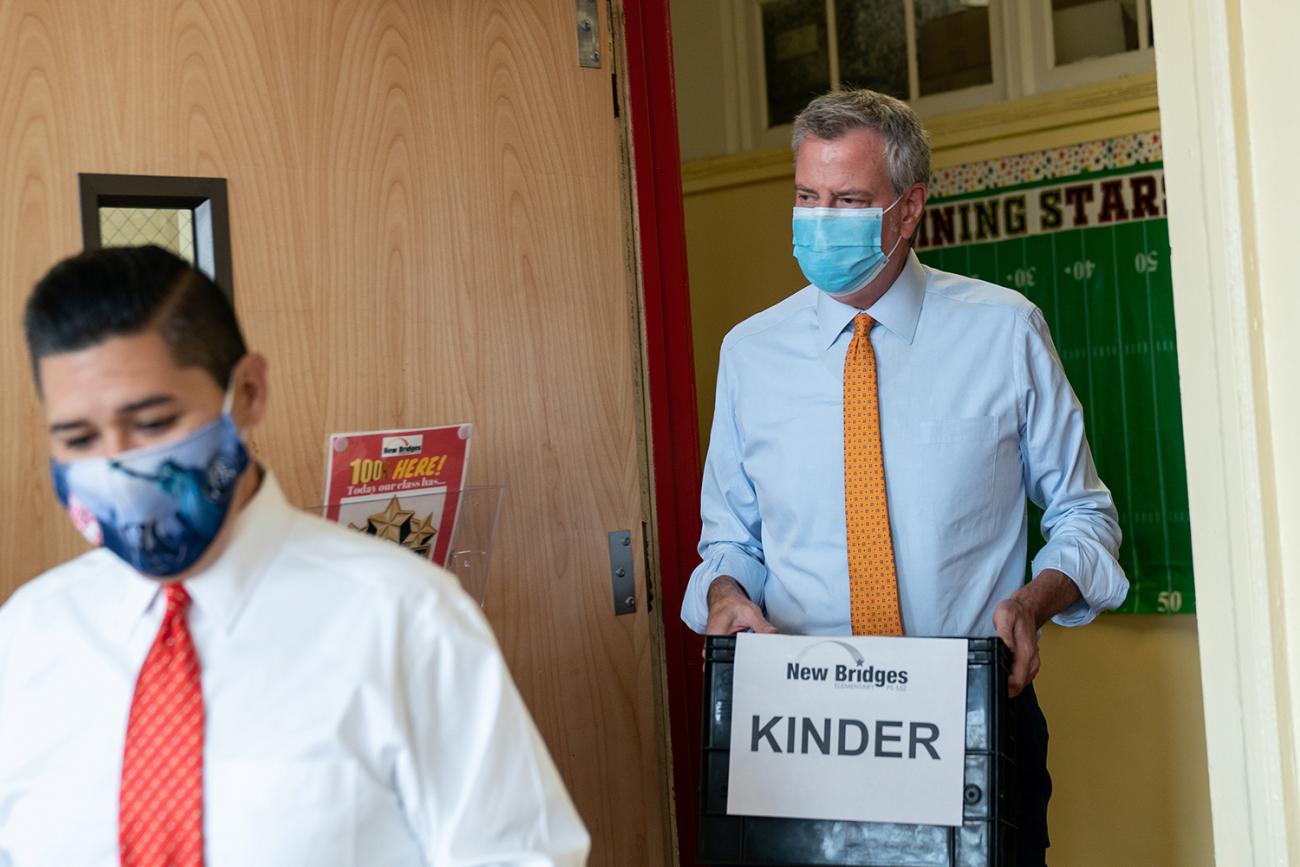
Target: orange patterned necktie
<point>160,817</point>
<point>873,583</point>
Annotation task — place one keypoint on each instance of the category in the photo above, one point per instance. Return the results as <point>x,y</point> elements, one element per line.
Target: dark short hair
<point>123,291</point>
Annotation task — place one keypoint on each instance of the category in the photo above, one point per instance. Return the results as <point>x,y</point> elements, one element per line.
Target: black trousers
<point>1034,783</point>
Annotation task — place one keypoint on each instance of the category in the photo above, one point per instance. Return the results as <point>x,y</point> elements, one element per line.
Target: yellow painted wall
<point>1127,753</point>
<point>1122,696</point>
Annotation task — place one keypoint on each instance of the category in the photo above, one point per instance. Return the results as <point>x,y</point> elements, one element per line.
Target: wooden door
<point>428,226</point>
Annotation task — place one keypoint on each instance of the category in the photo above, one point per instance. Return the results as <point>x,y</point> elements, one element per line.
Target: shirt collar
<point>221,591</point>
<point>898,310</point>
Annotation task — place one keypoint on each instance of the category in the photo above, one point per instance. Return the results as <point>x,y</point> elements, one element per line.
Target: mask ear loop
<point>228,406</point>
<point>227,410</point>
<point>228,402</point>
<point>890,254</point>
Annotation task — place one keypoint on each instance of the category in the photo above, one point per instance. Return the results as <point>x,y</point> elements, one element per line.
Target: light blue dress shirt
<point>975,413</point>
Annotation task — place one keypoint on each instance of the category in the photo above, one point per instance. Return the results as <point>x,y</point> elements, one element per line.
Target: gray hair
<point>907,147</point>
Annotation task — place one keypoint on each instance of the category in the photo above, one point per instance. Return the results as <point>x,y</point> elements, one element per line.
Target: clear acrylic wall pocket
<point>455,529</point>
<point>472,538</point>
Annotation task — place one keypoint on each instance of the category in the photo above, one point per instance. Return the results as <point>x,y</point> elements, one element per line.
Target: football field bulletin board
<point>1082,232</point>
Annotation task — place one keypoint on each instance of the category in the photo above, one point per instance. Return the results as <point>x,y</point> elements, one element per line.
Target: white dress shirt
<point>975,415</point>
<point>359,712</point>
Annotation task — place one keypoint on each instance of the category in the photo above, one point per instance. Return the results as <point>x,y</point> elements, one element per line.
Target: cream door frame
<point>1226,77</point>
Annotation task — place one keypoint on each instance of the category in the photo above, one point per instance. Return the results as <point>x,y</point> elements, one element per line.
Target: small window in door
<point>135,226</point>
<point>188,216</point>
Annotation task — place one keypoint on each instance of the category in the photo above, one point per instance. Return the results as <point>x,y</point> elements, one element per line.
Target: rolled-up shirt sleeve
<point>731,538</point>
<point>1080,524</point>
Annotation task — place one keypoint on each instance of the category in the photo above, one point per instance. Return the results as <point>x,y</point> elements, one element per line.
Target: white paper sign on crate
<point>853,729</point>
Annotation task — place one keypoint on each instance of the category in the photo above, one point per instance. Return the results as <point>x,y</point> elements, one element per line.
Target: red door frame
<point>674,425</point>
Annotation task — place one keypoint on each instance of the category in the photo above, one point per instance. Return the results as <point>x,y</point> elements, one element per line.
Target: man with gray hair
<point>876,435</point>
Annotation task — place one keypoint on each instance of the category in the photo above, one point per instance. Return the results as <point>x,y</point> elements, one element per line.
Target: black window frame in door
<point>161,191</point>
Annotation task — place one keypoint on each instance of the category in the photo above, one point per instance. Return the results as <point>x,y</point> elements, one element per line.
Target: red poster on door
<point>400,485</point>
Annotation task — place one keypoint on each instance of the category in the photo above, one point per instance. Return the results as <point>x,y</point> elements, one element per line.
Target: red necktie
<point>160,818</point>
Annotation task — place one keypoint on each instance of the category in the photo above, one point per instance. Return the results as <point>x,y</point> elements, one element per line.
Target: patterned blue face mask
<point>157,508</point>
<point>839,248</point>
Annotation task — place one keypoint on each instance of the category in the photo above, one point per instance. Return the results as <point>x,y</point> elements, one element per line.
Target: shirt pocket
<point>281,813</point>
<point>957,458</point>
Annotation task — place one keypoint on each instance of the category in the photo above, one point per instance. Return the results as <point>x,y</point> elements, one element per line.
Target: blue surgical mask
<point>839,248</point>
<point>157,508</point>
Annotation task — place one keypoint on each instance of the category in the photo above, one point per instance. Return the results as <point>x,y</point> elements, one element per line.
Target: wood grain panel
<point>427,226</point>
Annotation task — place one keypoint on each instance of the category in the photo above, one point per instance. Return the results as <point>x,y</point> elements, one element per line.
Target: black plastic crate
<point>985,839</point>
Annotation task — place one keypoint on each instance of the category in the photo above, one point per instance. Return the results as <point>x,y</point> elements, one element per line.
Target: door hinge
<point>588,34</point>
<point>622,573</point>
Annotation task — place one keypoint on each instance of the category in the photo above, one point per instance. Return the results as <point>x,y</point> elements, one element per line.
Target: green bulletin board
<point>1092,251</point>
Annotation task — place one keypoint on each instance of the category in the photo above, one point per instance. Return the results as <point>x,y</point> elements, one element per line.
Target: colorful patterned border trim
<point>1094,156</point>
